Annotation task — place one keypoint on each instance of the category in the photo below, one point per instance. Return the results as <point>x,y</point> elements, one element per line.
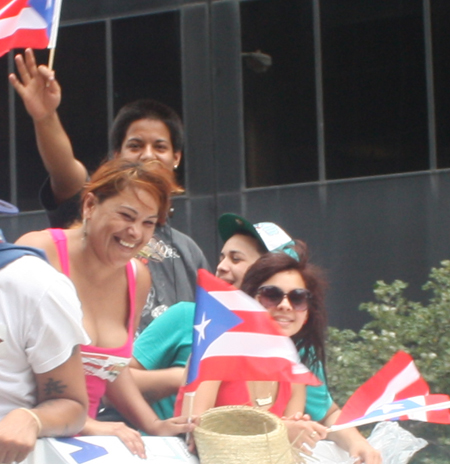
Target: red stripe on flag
<point>259,322</point>
<point>400,368</point>
<point>210,283</point>
<point>24,38</point>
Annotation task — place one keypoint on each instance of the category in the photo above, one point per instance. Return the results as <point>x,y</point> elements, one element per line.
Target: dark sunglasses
<point>270,296</point>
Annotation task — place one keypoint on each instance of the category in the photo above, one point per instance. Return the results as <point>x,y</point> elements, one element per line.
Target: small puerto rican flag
<point>235,339</point>
<point>28,23</point>
<point>396,392</point>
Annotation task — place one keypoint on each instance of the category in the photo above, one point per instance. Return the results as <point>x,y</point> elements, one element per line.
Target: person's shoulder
<point>142,276</point>
<point>179,237</point>
<point>141,270</point>
<point>37,239</point>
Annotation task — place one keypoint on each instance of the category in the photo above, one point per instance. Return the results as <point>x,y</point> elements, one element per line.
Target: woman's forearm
<point>157,384</point>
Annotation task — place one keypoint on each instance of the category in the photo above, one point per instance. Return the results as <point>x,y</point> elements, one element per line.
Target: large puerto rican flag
<point>397,391</point>
<point>28,23</point>
<point>235,339</point>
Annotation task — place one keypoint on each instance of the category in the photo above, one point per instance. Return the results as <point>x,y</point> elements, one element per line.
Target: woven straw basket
<point>241,434</point>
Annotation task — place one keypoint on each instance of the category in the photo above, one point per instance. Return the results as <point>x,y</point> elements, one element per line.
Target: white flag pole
<point>391,415</point>
<point>54,32</point>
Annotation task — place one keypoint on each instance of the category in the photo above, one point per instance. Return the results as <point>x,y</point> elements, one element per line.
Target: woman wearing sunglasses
<point>292,291</point>
<point>277,282</point>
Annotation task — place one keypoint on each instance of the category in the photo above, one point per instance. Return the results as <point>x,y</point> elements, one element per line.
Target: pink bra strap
<point>131,275</point>
<point>60,239</point>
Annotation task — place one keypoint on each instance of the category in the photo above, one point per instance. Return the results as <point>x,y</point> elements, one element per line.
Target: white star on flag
<point>200,328</point>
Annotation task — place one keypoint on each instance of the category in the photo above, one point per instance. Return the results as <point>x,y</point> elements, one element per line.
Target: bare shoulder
<point>143,277</point>
<point>143,285</point>
<point>43,240</point>
<point>37,239</point>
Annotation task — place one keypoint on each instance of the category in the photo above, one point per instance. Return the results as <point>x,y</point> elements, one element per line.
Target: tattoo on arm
<point>54,387</point>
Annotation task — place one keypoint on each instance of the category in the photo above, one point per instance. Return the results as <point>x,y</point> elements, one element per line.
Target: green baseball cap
<point>271,236</point>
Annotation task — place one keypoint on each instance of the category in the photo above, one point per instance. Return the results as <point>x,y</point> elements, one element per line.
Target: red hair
<point>116,175</point>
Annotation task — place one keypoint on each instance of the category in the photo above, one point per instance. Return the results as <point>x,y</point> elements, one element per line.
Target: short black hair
<point>146,109</point>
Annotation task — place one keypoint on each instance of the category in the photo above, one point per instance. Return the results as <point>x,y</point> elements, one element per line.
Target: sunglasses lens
<point>270,296</point>
<point>299,299</point>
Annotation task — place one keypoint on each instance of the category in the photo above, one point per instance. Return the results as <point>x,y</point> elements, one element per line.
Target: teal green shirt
<point>166,342</point>
<point>318,399</point>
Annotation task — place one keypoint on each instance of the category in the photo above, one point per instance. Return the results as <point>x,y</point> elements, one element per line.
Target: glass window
<point>374,87</point>
<point>147,59</point>
<point>279,92</point>
<point>440,11</point>
<point>147,62</point>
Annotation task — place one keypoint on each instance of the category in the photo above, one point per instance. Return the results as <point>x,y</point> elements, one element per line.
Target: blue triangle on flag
<point>45,9</point>
<point>400,406</point>
<point>212,319</point>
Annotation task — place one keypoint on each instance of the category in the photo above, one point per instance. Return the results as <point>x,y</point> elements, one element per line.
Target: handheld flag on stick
<point>397,391</point>
<point>28,23</point>
<point>235,339</point>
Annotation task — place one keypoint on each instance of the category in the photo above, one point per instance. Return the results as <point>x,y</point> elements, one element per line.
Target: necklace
<point>264,400</point>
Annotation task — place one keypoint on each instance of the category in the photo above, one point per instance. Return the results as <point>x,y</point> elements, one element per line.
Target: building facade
<point>329,118</point>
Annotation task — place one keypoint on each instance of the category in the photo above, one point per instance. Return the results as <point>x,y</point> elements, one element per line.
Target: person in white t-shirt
<point>42,385</point>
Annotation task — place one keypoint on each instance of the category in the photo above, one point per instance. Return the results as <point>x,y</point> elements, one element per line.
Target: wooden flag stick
<point>51,58</point>
<point>190,396</point>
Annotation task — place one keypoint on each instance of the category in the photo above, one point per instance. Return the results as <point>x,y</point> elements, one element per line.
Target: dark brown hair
<point>311,337</point>
<point>146,109</point>
<point>116,175</point>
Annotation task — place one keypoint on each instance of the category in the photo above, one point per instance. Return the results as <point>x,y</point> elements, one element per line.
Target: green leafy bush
<point>422,330</point>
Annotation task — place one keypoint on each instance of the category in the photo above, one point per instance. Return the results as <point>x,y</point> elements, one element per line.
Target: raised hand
<point>38,88</point>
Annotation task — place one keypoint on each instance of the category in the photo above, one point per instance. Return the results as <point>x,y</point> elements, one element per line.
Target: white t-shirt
<point>40,323</point>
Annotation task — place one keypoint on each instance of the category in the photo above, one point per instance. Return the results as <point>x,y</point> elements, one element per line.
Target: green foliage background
<point>422,330</point>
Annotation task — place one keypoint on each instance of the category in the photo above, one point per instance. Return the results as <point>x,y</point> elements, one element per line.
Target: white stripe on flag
<point>28,18</point>
<point>237,300</point>
<point>403,379</point>
<point>252,344</point>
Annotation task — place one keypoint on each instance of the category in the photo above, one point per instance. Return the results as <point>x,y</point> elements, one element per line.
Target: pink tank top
<point>100,364</point>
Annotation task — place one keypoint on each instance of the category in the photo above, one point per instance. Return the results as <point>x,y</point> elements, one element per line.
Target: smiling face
<point>289,321</point>
<point>237,255</point>
<point>149,139</point>
<point>120,226</point>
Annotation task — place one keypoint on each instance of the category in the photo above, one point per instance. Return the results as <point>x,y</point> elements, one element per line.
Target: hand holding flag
<point>235,339</point>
